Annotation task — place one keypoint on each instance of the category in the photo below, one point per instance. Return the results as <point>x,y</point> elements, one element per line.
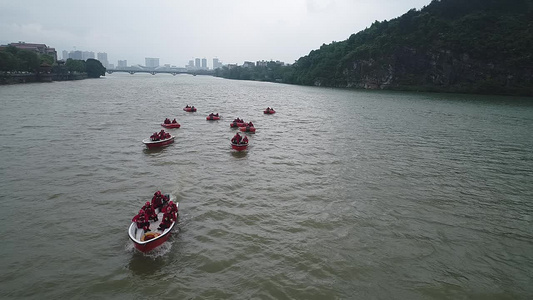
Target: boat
<point>237,124</point>
<point>250,129</point>
<point>212,118</point>
<point>239,147</point>
<point>147,241</point>
<point>189,109</point>
<point>269,111</point>
<point>171,125</point>
<point>159,143</point>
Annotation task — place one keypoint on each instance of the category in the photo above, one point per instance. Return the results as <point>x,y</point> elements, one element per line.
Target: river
<point>342,194</point>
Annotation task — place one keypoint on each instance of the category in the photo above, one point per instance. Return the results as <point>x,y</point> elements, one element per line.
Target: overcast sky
<point>176,31</point>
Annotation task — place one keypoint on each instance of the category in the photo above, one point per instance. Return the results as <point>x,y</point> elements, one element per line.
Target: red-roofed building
<point>39,48</point>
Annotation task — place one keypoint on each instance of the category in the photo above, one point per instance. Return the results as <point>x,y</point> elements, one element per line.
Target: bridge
<point>153,72</point>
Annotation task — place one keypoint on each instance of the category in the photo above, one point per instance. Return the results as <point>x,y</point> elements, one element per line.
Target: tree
<point>94,68</point>
<point>74,65</point>
<point>28,60</point>
<point>8,61</point>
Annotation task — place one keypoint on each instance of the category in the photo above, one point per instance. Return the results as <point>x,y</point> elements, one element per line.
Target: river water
<point>341,195</point>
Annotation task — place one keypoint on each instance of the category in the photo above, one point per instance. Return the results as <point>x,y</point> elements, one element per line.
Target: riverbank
<point>17,78</point>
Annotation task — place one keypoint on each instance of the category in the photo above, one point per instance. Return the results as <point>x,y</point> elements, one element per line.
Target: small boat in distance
<point>239,143</point>
<point>159,143</point>
<point>171,125</point>
<point>189,108</point>
<point>213,117</point>
<point>269,111</point>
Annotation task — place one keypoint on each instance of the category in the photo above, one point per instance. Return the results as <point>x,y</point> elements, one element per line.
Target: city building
<point>65,55</point>
<point>216,63</point>
<point>78,55</point>
<point>151,62</point>
<point>122,64</point>
<point>39,48</point>
<point>204,64</point>
<point>111,66</point>
<point>87,54</point>
<point>197,63</point>
<point>102,57</point>
<point>248,64</point>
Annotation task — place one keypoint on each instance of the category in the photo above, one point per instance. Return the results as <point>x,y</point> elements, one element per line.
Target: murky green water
<point>341,194</point>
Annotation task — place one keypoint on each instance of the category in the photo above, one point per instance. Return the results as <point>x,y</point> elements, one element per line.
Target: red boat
<point>212,118</point>
<point>235,124</point>
<point>239,147</point>
<point>269,111</point>
<point>189,109</point>
<point>145,242</point>
<point>250,129</point>
<point>160,143</point>
<point>171,125</point>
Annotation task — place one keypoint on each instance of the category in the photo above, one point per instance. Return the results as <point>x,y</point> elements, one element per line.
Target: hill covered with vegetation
<point>474,46</point>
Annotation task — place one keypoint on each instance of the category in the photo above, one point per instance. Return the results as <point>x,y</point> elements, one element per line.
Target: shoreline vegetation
<point>23,66</point>
<point>454,46</point>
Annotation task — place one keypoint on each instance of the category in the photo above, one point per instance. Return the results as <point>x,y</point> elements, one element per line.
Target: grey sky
<point>176,31</point>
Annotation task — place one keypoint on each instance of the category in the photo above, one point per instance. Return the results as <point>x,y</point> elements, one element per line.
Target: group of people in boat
<point>238,139</point>
<point>149,212</point>
<point>187,106</point>
<point>250,124</point>
<point>161,135</point>
<point>213,115</point>
<point>269,109</point>
<point>167,121</point>
<point>237,120</point>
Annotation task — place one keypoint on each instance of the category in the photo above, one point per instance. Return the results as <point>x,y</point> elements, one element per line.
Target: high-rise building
<point>151,62</point>
<point>204,64</point>
<point>102,57</point>
<point>65,55</point>
<point>122,64</point>
<point>75,55</point>
<point>110,66</point>
<point>216,63</point>
<point>87,54</point>
<point>197,63</point>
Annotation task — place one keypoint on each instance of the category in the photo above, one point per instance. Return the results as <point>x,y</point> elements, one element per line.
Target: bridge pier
<point>131,72</point>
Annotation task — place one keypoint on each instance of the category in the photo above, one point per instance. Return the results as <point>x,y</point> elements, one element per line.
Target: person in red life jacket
<point>150,212</point>
<point>236,139</point>
<point>174,121</point>
<point>142,221</point>
<point>250,124</point>
<point>245,140</point>
<point>167,121</point>
<point>157,201</point>
<point>162,134</point>
<point>171,208</point>
<point>166,222</point>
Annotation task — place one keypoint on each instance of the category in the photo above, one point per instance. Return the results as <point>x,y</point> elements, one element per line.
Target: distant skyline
<point>178,31</point>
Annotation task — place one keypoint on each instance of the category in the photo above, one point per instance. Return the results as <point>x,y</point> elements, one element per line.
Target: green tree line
<point>494,37</point>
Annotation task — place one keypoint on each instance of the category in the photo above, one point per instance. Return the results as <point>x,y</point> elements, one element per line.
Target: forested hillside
<point>474,46</point>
